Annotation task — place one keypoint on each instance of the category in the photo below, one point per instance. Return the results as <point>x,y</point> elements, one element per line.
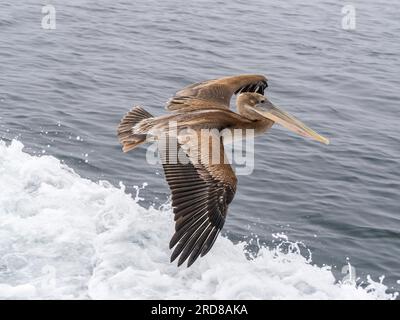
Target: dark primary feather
<point>201,194</point>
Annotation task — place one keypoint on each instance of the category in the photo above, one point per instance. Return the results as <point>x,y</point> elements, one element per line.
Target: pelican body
<point>202,188</point>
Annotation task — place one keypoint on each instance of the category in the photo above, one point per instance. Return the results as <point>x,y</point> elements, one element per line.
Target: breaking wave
<point>66,237</point>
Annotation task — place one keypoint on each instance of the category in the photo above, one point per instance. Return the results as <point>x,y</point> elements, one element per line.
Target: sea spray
<point>64,237</point>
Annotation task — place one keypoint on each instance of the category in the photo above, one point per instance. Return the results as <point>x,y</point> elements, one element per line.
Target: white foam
<point>62,236</point>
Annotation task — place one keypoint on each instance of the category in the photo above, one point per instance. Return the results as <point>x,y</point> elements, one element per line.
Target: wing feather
<point>215,94</point>
<point>200,203</point>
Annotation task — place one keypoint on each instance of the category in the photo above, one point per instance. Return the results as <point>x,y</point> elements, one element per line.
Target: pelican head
<point>255,106</point>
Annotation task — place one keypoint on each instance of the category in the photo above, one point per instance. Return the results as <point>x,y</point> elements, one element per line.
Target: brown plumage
<point>215,93</point>
<point>201,187</point>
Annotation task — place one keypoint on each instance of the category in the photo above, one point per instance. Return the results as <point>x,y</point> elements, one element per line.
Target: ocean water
<point>305,215</point>
<point>66,237</point>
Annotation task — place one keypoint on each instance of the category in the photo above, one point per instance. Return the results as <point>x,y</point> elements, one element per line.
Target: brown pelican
<point>202,189</point>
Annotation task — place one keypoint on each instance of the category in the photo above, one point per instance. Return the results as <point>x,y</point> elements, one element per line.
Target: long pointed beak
<point>290,122</point>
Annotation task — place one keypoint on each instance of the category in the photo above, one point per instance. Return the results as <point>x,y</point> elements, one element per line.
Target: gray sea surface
<point>64,91</point>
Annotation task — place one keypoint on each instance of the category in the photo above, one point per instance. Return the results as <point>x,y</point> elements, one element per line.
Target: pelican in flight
<point>202,189</point>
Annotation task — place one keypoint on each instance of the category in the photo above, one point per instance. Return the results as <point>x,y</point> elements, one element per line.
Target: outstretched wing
<point>202,187</point>
<point>215,93</point>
